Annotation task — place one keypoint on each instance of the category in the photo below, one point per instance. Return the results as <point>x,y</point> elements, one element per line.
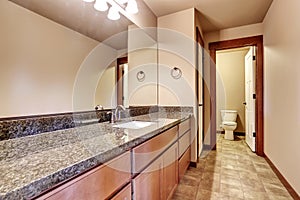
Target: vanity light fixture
<point>129,6</point>
<point>101,5</point>
<point>113,13</point>
<point>132,7</point>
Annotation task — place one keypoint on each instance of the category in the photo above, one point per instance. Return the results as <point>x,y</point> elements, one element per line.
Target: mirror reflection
<point>63,56</point>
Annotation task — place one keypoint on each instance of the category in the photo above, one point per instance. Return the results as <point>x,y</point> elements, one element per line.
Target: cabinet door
<point>184,143</point>
<point>170,171</point>
<point>143,154</point>
<point>124,194</point>
<point>184,162</point>
<point>98,183</point>
<point>147,185</point>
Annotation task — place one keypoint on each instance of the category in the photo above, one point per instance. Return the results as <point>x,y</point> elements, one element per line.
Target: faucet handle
<point>112,118</point>
<point>99,107</point>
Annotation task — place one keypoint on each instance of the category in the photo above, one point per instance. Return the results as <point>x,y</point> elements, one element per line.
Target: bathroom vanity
<point>101,161</point>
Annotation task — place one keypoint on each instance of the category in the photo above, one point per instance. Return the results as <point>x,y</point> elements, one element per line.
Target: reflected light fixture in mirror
<point>132,7</point>
<point>100,5</point>
<point>113,14</point>
<point>116,5</point>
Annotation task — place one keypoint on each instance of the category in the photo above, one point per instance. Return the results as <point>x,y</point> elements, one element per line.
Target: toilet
<point>229,123</point>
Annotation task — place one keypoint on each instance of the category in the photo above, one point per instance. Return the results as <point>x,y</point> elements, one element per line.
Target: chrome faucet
<point>118,112</point>
<point>116,115</point>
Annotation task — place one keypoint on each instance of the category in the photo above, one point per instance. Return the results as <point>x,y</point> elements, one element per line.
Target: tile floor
<point>231,172</point>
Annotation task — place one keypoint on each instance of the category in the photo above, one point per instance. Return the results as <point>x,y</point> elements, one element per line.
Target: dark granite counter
<point>32,165</point>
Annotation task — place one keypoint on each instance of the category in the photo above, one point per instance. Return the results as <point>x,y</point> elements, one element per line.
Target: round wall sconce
<point>176,73</point>
<point>140,76</point>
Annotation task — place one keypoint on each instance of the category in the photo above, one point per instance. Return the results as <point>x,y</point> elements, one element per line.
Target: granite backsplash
<point>16,127</point>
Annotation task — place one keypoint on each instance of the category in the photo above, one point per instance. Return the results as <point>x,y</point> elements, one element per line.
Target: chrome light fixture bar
<point>116,6</point>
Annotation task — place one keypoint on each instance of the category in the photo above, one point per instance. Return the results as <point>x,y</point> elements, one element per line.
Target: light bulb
<point>121,1</point>
<point>88,1</point>
<point>113,14</point>
<point>132,7</point>
<point>101,5</point>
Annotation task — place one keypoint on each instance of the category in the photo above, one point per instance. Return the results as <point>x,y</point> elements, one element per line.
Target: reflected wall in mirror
<point>128,90</point>
<point>42,57</point>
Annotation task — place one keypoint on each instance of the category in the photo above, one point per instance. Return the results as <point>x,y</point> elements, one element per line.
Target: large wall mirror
<point>64,56</point>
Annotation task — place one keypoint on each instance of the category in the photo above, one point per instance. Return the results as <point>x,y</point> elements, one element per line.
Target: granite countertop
<point>32,165</point>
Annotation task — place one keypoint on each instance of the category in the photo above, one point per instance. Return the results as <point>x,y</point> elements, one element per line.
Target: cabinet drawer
<point>184,126</point>
<point>184,143</point>
<point>98,183</point>
<point>124,194</point>
<point>184,162</point>
<point>143,154</point>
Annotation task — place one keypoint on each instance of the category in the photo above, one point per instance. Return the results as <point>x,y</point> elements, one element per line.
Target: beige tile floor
<point>231,172</point>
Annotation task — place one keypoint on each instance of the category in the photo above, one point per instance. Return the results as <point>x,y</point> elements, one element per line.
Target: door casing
<point>259,111</point>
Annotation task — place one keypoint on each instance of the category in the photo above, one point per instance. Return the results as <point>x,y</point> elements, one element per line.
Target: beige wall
<point>106,89</point>
<point>142,56</point>
<point>230,84</point>
<point>176,48</point>
<point>233,33</point>
<point>282,88</point>
<point>39,62</point>
<point>176,36</point>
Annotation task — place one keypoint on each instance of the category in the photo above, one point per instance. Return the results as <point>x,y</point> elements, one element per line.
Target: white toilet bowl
<point>229,127</point>
<point>229,123</point>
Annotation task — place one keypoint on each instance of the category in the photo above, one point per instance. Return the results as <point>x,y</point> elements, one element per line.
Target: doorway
<point>122,81</point>
<point>257,42</point>
<point>235,93</point>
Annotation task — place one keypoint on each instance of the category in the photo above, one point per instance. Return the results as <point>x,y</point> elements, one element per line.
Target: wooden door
<point>250,64</point>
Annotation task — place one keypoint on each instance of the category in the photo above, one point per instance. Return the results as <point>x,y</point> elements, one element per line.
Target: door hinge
<point>254,58</point>
<point>254,134</point>
<point>254,96</point>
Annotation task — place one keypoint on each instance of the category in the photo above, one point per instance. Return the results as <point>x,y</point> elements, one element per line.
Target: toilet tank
<point>228,115</point>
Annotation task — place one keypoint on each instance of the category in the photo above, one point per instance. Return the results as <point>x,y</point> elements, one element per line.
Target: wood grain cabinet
<point>184,163</point>
<point>124,194</point>
<point>170,171</point>
<point>143,154</point>
<point>150,171</point>
<point>147,185</point>
<point>99,183</point>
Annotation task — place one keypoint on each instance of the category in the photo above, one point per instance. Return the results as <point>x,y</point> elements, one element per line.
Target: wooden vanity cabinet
<point>184,147</point>
<point>184,163</point>
<point>147,185</point>
<point>124,194</point>
<point>143,154</point>
<point>150,171</point>
<point>99,183</point>
<point>170,171</point>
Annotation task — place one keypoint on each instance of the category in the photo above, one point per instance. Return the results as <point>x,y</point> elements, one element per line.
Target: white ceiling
<point>216,14</point>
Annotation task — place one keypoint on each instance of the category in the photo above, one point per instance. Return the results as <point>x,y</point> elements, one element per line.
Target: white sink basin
<point>134,125</point>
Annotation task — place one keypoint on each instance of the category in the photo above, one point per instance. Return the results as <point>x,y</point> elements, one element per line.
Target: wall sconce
<point>113,12</point>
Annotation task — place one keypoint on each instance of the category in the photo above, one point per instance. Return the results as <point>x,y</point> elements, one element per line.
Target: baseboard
<point>193,164</point>
<point>206,147</point>
<point>239,133</point>
<point>286,184</point>
<point>235,133</point>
